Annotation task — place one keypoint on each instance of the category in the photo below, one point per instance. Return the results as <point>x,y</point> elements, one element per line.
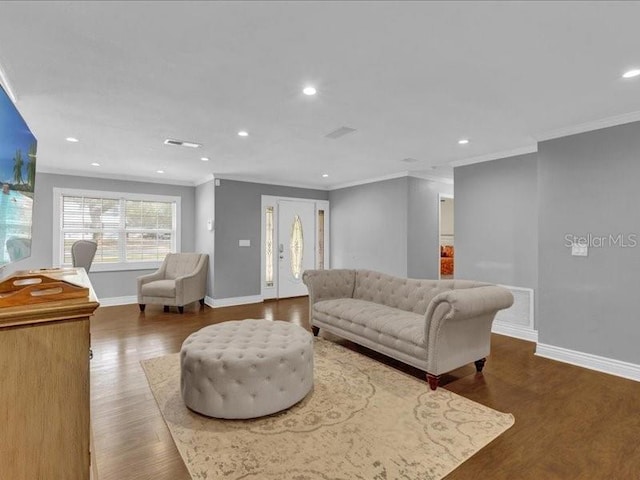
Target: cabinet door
<point>44,400</point>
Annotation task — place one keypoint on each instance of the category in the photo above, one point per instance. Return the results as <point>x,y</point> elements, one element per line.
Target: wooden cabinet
<point>44,386</point>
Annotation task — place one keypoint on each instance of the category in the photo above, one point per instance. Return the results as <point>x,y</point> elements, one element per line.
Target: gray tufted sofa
<point>434,325</point>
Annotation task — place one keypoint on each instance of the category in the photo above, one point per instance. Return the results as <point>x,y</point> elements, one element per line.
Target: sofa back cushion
<point>411,295</point>
<point>179,264</point>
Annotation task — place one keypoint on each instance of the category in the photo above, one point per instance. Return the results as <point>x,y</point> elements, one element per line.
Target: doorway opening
<point>446,236</point>
<point>295,238</point>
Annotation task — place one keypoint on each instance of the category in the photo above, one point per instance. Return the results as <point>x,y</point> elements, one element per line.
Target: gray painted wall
<point>106,284</point>
<point>588,183</point>
<point>496,221</point>
<point>423,243</point>
<point>238,217</point>
<point>204,238</point>
<point>369,226</point>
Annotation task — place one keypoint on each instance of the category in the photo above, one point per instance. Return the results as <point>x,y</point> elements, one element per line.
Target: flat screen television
<point>17,181</point>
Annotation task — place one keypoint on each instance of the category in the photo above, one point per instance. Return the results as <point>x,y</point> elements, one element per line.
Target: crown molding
<point>108,176</point>
<point>249,179</point>
<point>590,126</point>
<point>495,156</point>
<point>432,178</point>
<point>209,178</point>
<point>369,180</point>
<point>392,176</point>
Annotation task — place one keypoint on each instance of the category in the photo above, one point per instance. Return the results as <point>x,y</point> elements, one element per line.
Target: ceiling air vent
<point>182,143</point>
<point>340,132</point>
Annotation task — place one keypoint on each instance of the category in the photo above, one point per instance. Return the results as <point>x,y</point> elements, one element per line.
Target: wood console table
<point>44,385</point>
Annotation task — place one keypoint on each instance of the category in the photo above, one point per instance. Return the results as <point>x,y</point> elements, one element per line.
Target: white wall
<point>446,217</point>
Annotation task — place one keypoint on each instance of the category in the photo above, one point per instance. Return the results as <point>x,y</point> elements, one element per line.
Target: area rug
<point>362,420</point>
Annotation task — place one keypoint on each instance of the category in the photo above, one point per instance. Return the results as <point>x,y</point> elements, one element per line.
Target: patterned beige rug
<point>363,420</point>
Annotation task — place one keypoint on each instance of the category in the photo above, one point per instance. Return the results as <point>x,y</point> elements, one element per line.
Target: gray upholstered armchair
<point>180,280</point>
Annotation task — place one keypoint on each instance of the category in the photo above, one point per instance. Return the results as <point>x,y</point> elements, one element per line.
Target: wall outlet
<point>244,243</point>
<point>579,250</point>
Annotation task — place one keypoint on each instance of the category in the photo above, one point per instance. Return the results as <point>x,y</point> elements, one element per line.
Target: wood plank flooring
<point>571,423</point>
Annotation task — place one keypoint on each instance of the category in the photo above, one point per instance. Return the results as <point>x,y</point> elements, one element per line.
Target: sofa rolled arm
<point>458,325</point>
<point>472,302</point>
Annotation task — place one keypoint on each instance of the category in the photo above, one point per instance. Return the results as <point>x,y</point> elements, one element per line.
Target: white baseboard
<point>517,331</point>
<point>112,301</point>
<point>212,302</point>
<point>592,362</point>
<point>232,301</point>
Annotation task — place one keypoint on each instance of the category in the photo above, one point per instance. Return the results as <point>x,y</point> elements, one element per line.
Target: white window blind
<point>132,231</point>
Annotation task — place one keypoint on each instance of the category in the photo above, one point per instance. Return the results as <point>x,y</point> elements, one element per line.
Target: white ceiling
<point>412,78</point>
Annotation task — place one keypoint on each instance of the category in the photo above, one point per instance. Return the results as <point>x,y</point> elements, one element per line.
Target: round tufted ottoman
<point>246,368</point>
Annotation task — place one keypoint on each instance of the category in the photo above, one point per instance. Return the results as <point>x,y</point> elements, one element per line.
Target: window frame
<point>123,265</point>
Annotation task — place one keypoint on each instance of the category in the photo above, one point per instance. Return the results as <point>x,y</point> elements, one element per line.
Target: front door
<point>295,246</point>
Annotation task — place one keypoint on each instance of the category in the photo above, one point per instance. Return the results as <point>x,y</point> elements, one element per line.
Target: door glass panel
<point>297,247</point>
<point>321,239</point>
<point>268,247</point>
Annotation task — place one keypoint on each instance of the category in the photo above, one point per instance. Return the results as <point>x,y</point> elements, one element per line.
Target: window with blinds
<point>132,231</point>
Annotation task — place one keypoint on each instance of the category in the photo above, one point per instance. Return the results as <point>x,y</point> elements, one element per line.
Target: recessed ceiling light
<point>631,73</point>
<point>204,159</point>
<point>463,141</point>
<point>325,175</point>
<point>309,91</point>
<point>72,139</point>
<point>95,164</point>
<point>242,133</point>
<point>159,171</point>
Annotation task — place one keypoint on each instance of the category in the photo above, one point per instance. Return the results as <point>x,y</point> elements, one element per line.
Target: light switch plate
<point>579,250</point>
<point>244,243</point>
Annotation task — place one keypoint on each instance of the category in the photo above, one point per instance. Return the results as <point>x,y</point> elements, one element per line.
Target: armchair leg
<point>181,309</point>
<point>202,302</point>
<point>433,380</point>
<point>480,364</point>
<point>142,306</point>
<point>315,330</point>
<point>166,309</point>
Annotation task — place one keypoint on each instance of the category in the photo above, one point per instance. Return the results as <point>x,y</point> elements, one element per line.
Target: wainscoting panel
<point>518,320</point>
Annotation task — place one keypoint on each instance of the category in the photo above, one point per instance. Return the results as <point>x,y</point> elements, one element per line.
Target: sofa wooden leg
<point>202,302</point>
<point>142,306</point>
<point>315,330</point>
<point>166,308</point>
<point>480,364</point>
<point>181,309</point>
<point>433,380</point>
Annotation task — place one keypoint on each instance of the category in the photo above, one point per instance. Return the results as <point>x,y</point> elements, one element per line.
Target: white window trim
<point>112,267</point>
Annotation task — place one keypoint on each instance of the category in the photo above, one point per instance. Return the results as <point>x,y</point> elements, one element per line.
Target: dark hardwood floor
<point>571,423</point>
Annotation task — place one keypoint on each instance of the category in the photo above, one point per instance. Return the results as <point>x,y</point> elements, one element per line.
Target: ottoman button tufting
<point>249,356</point>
